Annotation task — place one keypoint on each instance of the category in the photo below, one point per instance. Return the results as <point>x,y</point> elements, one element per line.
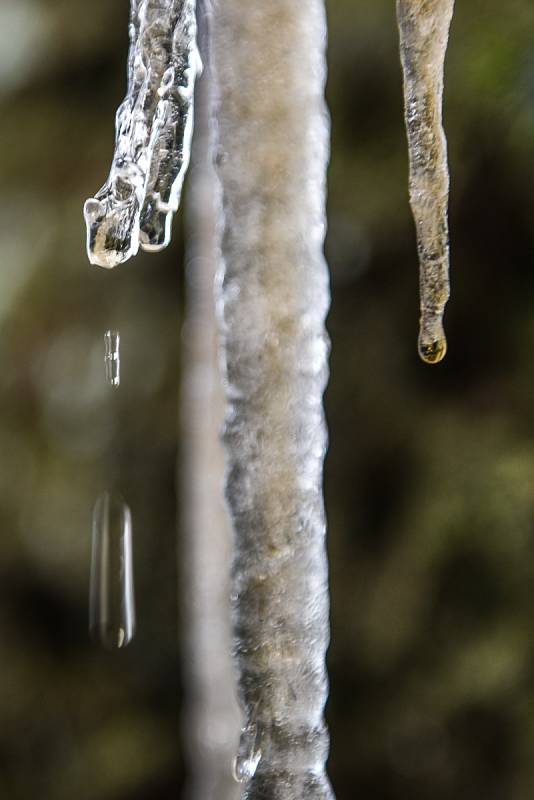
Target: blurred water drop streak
<point>111,592</point>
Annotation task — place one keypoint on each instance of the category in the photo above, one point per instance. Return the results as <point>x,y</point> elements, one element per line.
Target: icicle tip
<point>432,351</point>
<point>112,234</point>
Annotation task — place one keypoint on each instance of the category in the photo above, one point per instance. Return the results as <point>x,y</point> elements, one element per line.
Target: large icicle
<point>424,32</point>
<point>153,135</point>
<point>269,68</point>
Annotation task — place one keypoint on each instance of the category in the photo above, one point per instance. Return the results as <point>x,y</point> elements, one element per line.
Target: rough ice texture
<point>269,67</point>
<point>424,32</point>
<point>212,718</point>
<point>153,135</point>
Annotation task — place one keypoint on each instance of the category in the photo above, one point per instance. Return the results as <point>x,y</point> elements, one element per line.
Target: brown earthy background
<point>430,476</point>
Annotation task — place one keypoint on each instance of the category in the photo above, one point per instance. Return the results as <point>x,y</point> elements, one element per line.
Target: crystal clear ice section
<point>153,135</point>
<point>249,753</point>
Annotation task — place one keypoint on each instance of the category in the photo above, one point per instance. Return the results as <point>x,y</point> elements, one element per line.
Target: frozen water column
<point>424,34</point>
<point>272,153</point>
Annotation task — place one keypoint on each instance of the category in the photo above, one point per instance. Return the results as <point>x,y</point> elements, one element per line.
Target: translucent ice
<point>424,32</point>
<point>212,718</point>
<point>249,754</point>
<point>111,598</point>
<point>273,143</point>
<point>153,135</point>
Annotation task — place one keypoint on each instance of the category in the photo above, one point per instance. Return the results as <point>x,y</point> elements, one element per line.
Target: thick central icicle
<point>424,32</point>
<point>153,135</point>
<point>269,69</point>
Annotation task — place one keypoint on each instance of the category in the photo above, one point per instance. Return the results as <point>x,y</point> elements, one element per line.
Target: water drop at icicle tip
<point>432,351</point>
<point>248,755</point>
<point>112,357</point>
<point>432,343</point>
<point>112,222</point>
<point>111,588</point>
<point>245,767</point>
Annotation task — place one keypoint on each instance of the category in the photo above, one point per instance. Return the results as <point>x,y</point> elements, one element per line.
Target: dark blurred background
<point>430,475</point>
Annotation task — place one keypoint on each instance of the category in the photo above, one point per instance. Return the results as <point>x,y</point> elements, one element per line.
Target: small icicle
<point>112,357</point>
<point>153,135</point>
<point>249,753</point>
<point>111,593</point>
<point>424,32</point>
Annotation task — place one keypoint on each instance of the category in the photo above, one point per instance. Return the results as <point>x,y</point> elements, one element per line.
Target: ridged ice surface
<point>424,32</point>
<point>269,70</point>
<point>153,135</point>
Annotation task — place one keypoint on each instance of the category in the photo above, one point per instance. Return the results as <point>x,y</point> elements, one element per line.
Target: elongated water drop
<point>424,31</point>
<point>248,755</point>
<point>112,357</point>
<point>111,600</point>
<point>153,135</point>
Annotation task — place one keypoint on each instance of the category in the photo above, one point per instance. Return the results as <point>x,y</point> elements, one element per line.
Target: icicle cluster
<point>424,31</point>
<point>269,69</point>
<point>153,135</point>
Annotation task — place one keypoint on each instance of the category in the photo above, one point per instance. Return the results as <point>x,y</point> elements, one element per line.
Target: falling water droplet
<point>248,755</point>
<point>424,34</point>
<point>111,599</point>
<point>112,357</point>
